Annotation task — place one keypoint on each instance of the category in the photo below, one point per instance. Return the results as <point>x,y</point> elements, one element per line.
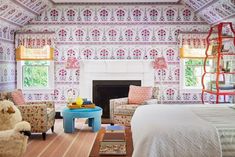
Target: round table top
<point>97,108</point>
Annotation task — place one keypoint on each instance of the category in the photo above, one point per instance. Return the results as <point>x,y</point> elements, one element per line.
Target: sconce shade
<point>72,63</point>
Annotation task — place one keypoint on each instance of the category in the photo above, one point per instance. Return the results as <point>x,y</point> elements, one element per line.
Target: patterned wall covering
<point>13,15</point>
<point>7,56</point>
<point>121,32</point>
<point>213,11</point>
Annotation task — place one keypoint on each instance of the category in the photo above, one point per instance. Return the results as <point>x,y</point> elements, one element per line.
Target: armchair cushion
<point>127,109</point>
<point>138,95</point>
<point>18,97</point>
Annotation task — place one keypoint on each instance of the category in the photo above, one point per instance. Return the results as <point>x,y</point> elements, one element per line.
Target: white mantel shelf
<point>114,70</point>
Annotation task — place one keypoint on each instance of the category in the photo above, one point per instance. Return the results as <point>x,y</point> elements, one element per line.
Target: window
<point>34,75</point>
<point>35,68</point>
<point>192,71</point>
<point>192,47</point>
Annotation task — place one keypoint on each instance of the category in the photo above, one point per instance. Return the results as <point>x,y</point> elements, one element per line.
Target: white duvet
<point>172,131</point>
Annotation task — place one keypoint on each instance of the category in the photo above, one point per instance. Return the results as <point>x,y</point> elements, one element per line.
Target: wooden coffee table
<point>95,149</point>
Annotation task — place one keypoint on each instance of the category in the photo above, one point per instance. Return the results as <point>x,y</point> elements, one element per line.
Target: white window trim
<point>183,89</point>
<point>36,90</point>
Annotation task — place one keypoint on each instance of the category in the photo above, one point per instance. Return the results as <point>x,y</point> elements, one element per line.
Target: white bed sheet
<point>174,131</point>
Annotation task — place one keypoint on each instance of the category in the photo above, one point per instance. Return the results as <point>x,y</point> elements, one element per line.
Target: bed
<point>183,131</point>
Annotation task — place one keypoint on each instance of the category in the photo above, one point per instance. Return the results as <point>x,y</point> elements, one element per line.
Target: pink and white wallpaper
<point>121,32</point>
<point>7,57</point>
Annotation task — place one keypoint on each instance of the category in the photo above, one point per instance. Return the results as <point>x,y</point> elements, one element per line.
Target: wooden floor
<point>60,144</point>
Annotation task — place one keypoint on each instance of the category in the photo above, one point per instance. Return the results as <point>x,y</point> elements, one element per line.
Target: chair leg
<point>44,136</point>
<point>52,128</point>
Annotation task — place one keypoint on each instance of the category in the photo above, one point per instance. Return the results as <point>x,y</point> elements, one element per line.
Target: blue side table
<point>93,115</point>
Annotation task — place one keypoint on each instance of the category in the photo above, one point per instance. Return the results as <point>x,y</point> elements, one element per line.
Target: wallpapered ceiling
<point>13,15</point>
<point>213,11</point>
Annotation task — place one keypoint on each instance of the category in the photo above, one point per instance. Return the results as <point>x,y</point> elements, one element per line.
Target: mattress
<point>217,120</point>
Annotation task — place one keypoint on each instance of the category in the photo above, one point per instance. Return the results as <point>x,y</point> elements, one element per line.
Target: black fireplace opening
<point>104,90</point>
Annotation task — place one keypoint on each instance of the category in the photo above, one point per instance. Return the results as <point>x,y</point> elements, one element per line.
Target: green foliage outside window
<point>35,74</point>
<point>191,79</point>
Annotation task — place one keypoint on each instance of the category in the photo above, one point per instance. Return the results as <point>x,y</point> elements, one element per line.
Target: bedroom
<point>109,43</point>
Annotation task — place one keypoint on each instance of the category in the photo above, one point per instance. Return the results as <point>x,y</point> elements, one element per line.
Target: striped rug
<point>60,144</point>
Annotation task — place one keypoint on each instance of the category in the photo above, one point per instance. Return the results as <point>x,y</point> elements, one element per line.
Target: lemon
<point>79,101</point>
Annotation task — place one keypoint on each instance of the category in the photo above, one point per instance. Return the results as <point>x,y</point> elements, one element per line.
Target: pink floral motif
<point>129,35</point>
<point>177,74</point>
<point>79,35</point>
<point>62,34</point>
<point>104,54</point>
<point>62,74</point>
<point>170,94</point>
<point>120,54</point>
<point>170,54</point>
<point>87,15</point>
<point>120,15</point>
<point>95,34</point>
<point>162,35</point>
<point>153,14</point>
<point>112,35</point>
<point>145,34</point>
<point>87,54</point>
<point>137,14</point>
<point>104,15</point>
<point>54,15</point>
<point>71,53</point>
<point>153,53</point>
<point>136,54</point>
<point>70,15</point>
<point>170,14</point>
<point>186,14</point>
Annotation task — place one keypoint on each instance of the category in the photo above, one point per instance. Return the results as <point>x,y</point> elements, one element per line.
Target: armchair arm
<point>12,143</point>
<point>35,114</point>
<point>113,103</point>
<point>49,104</point>
<point>150,101</point>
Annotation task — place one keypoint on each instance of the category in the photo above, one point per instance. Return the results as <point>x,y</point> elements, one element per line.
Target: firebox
<point>104,90</point>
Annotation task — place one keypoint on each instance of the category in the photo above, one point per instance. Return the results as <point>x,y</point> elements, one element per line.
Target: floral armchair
<point>121,111</point>
<point>40,115</point>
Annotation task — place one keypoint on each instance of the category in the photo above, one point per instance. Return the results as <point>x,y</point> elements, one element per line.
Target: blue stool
<point>93,115</point>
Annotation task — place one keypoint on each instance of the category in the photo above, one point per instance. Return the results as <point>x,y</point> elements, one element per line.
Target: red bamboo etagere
<point>217,37</point>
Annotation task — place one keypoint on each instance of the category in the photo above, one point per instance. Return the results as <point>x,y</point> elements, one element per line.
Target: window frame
<point>20,74</point>
<point>183,88</point>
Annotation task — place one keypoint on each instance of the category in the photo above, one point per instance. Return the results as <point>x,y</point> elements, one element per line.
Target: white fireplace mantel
<point>114,70</point>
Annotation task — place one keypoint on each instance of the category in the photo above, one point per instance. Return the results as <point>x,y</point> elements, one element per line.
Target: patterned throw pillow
<point>18,97</point>
<point>138,95</point>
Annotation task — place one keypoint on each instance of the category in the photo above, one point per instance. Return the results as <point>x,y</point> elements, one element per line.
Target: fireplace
<point>112,70</point>
<point>104,90</point>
